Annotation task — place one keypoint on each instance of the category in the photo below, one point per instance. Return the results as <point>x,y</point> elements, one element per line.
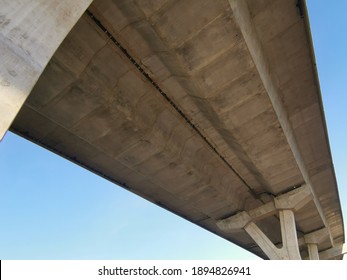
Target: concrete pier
<point>30,33</point>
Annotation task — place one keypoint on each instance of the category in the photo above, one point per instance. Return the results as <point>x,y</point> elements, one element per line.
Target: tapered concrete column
<point>313,251</point>
<point>313,239</point>
<point>285,205</point>
<point>290,247</point>
<point>263,242</point>
<point>30,33</point>
<point>289,236</point>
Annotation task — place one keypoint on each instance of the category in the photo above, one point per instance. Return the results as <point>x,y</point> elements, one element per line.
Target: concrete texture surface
<point>166,99</point>
<point>27,42</point>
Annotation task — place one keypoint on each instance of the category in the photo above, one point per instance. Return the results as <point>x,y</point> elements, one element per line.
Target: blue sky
<point>51,208</point>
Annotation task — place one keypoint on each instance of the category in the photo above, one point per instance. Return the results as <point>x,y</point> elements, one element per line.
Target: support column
<point>289,236</point>
<point>313,251</point>
<point>313,239</point>
<point>285,205</point>
<point>290,247</point>
<point>263,241</point>
<point>30,33</point>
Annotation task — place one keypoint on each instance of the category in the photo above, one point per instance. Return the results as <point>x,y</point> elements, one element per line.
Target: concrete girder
<point>263,211</point>
<point>243,19</point>
<point>30,33</point>
<point>294,199</point>
<point>236,222</point>
<point>317,236</point>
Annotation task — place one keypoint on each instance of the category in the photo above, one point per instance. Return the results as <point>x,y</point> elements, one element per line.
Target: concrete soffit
<point>336,251</point>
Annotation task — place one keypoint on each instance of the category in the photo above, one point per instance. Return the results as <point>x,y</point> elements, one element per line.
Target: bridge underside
<point>167,99</point>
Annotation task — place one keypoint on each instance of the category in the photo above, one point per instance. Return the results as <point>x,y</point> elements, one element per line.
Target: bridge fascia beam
<point>29,35</point>
<point>243,19</point>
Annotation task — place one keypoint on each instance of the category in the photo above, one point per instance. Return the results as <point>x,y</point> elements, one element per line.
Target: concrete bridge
<point>210,109</point>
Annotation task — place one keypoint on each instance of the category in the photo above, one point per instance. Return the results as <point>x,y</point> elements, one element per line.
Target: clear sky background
<point>51,208</point>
